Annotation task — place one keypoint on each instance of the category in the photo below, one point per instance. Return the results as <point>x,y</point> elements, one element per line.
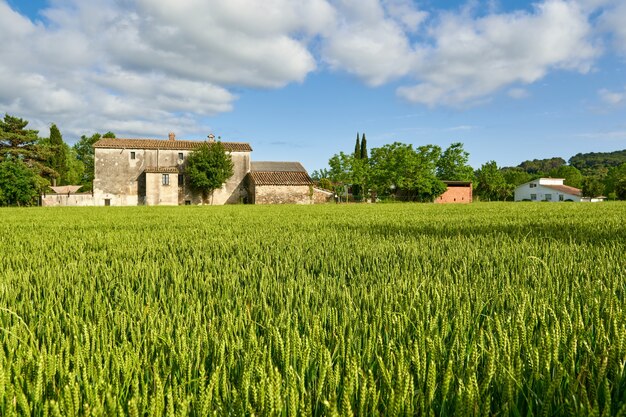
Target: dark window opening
<point>181,180</point>
<point>107,202</point>
<point>187,202</point>
<point>165,180</point>
<point>180,156</point>
<point>132,155</point>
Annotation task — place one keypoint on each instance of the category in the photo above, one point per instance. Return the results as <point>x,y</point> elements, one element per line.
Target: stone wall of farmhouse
<point>289,194</point>
<point>62,200</point>
<point>158,194</point>
<point>120,179</point>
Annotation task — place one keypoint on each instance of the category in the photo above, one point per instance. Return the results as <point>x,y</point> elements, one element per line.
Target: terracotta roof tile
<point>271,166</point>
<point>280,178</point>
<point>564,189</point>
<point>166,144</point>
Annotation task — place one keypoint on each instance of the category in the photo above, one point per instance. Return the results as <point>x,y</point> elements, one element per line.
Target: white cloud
<point>518,93</point>
<point>148,64</point>
<point>472,58</point>
<point>611,97</point>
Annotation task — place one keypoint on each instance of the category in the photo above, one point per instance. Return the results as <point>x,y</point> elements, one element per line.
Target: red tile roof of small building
<point>111,143</point>
<point>564,189</point>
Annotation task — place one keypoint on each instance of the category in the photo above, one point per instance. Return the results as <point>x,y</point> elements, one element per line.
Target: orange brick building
<point>457,192</point>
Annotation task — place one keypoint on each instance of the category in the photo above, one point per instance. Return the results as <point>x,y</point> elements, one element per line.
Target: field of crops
<point>407,309</point>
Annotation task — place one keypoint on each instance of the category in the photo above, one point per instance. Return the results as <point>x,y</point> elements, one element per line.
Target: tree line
<point>395,171</point>
<point>30,164</point>
<point>401,171</point>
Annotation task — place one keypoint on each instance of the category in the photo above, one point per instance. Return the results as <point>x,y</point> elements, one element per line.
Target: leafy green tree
<point>573,177</point>
<point>590,162</point>
<point>19,185</point>
<point>363,147</point>
<point>85,154</point>
<point>616,182</point>
<point>592,187</point>
<point>400,170</point>
<point>490,183</point>
<point>453,166</point>
<point>515,176</point>
<point>208,168</point>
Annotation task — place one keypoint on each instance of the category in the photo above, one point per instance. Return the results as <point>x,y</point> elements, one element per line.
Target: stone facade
<point>457,192</point>
<point>290,194</point>
<point>131,172</point>
<point>67,200</point>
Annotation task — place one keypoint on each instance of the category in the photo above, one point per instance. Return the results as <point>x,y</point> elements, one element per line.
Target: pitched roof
<point>271,166</point>
<point>161,170</point>
<point>111,143</point>
<point>66,189</point>
<point>564,189</point>
<point>280,178</point>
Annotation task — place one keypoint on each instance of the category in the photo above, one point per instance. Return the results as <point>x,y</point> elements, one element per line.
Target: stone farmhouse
<point>131,172</point>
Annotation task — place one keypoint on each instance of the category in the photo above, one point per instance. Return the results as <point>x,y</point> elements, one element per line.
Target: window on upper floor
<point>533,184</point>
<point>132,155</point>
<point>181,156</point>
<point>181,180</point>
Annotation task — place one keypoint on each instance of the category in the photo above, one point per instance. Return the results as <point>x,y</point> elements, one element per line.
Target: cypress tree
<point>363,147</point>
<point>357,148</point>
<point>58,159</point>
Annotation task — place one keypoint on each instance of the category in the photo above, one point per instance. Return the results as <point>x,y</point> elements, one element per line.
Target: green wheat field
<point>503,309</point>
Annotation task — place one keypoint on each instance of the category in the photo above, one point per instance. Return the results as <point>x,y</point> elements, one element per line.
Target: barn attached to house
<point>458,192</point>
<point>283,183</point>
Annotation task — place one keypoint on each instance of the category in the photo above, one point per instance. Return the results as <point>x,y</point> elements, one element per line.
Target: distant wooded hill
<point>593,160</point>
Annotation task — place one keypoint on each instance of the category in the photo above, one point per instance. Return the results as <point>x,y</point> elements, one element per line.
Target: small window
<point>561,198</point>
<point>187,202</point>
<point>548,197</point>
<point>107,202</point>
<point>533,197</point>
<point>533,185</point>
<point>180,156</point>
<point>132,155</point>
<point>165,180</point>
<point>181,180</point>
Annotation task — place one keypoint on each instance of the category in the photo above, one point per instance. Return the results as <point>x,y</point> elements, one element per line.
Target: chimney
<point>211,138</point>
<point>172,136</point>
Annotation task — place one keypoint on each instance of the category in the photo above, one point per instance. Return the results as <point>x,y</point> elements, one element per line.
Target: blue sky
<point>512,80</point>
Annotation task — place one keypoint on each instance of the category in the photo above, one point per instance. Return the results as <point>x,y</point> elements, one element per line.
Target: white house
<point>547,189</point>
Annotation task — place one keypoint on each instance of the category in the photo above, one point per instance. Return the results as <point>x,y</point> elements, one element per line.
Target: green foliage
<point>85,154</point>
<point>363,147</point>
<point>389,310</point>
<point>490,183</point>
<point>400,170</point>
<point>18,142</point>
<point>357,148</point>
<point>595,160</point>
<point>19,185</point>
<point>208,168</point>
<point>453,166</point>
<point>516,176</point>
<point>592,187</point>
<point>573,177</point>
<point>542,166</point>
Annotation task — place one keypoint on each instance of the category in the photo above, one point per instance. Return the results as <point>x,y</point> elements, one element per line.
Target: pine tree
<point>357,148</point>
<point>363,147</point>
